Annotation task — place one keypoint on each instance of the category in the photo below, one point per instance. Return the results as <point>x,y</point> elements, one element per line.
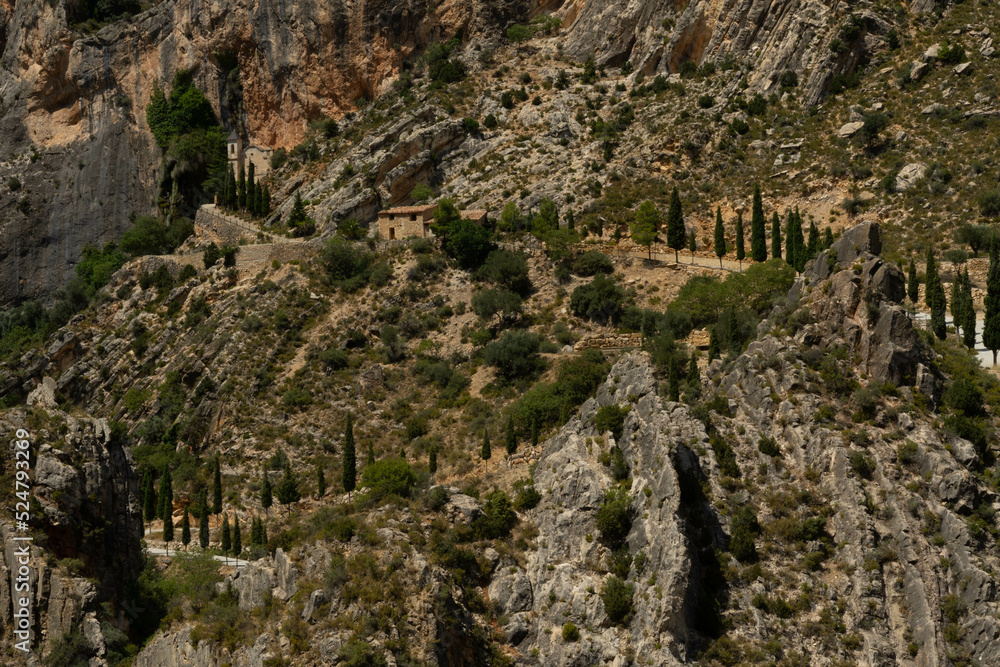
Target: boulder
<point>918,70</point>
<point>910,175</point>
<point>848,130</point>
<point>931,53</point>
<point>963,68</point>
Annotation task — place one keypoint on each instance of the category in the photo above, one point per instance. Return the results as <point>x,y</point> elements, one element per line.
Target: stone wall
<point>610,341</point>
<point>227,228</point>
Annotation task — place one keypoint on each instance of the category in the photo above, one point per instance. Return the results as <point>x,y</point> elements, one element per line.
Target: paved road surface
<point>156,551</point>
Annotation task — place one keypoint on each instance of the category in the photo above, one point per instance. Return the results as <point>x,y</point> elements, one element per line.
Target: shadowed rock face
<point>77,102</point>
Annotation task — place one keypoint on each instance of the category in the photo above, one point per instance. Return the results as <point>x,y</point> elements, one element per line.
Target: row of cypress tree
<point>245,193</point>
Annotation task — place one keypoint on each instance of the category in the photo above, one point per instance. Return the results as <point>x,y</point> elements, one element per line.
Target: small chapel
<point>241,158</point>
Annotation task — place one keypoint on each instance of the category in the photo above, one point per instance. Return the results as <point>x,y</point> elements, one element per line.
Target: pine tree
<point>511,439</point>
<point>350,473</point>
<point>237,539</point>
<point>913,283</point>
<point>740,243</point>
<point>185,528</point>
<point>645,226</point>
<point>775,236</point>
<point>203,521</point>
<point>720,236</point>
<point>320,482</point>
<point>827,238</point>
<point>969,326</point>
<point>935,297</point>
<point>217,488</point>
<point>486,453</point>
<point>758,242</point>
<point>676,234</point>
<point>168,528</point>
<point>227,543</point>
<point>149,497</point>
<point>288,488</point>
<point>432,463</point>
<point>266,492</point>
<point>991,327</point>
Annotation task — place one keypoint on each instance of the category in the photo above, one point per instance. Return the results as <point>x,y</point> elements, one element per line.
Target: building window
<point>413,217</point>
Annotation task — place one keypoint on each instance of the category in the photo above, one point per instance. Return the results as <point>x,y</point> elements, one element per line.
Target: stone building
<point>415,221</point>
<point>406,221</point>
<point>240,157</point>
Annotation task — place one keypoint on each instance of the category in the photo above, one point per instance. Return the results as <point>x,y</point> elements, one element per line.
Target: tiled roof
<point>405,210</point>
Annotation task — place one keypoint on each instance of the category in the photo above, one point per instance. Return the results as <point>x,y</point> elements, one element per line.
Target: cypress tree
<point>720,236</point>
<point>713,345</point>
<point>486,453</point>
<point>913,283</point>
<point>692,245</point>
<point>241,190</point>
<point>266,205</point>
<point>789,238</point>
<point>827,238</point>
<point>266,492</point>
<point>350,472</point>
<point>166,503</point>
<point>775,236</point>
<point>958,304</point>
<point>203,521</point>
<point>255,530</point>
<point>534,432</point>
<point>288,488</point>
<point>969,327</point>
<point>740,243</point>
<point>432,464</point>
<point>935,297</point>
<point>185,528</point>
<point>237,539</point>
<point>149,499</point>
<point>758,242</point>
<point>814,240</point>
<point>511,439</point>
<point>263,532</point>
<point>320,481</point>
<point>674,384</point>
<point>258,201</point>
<point>991,327</point>
<point>370,458</point>
<point>676,235</point>
<point>694,376</point>
<point>168,528</point>
<point>217,487</point>
<point>801,253</point>
<point>227,543</point>
<point>251,188</point>
<point>570,220</point>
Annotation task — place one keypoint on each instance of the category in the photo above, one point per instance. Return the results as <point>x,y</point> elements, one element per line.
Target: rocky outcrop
<point>89,517</point>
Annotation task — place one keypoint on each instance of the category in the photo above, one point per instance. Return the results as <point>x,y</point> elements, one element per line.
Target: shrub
<point>789,79</point>
<point>346,265</point>
<point>614,517</point>
<point>499,303</point>
<point>861,464</point>
<point>591,263</point>
<point>965,398</point>
<point>611,418</point>
<point>601,301</point>
<point>570,633</point>
<point>527,498</point>
<point>515,355</point>
<point>768,447</point>
<point>389,477</point>
<point>468,244</point>
<point>744,529</point>
<point>617,598</point>
<point>506,269</point>
<point>907,453</point>
<point>498,517</point>
<point>706,101</point>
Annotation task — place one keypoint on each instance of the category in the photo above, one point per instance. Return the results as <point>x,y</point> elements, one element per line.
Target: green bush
<point>497,303</point>
<point>346,265</point>
<point>861,464</point>
<point>508,270</point>
<point>965,398</point>
<point>468,244</point>
<point>907,453</point>
<point>497,519</point>
<point>515,355</point>
<point>617,598</point>
<point>744,529</point>
<point>527,498</point>
<point>591,263</point>
<point>389,477</point>
<point>611,418</point>
<point>989,203</point>
<point>768,447</point>
<point>614,517</point>
<point>601,301</point>
<point>570,633</point>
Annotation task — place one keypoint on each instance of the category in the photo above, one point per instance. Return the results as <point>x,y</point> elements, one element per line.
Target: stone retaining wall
<point>227,228</point>
<point>611,341</point>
